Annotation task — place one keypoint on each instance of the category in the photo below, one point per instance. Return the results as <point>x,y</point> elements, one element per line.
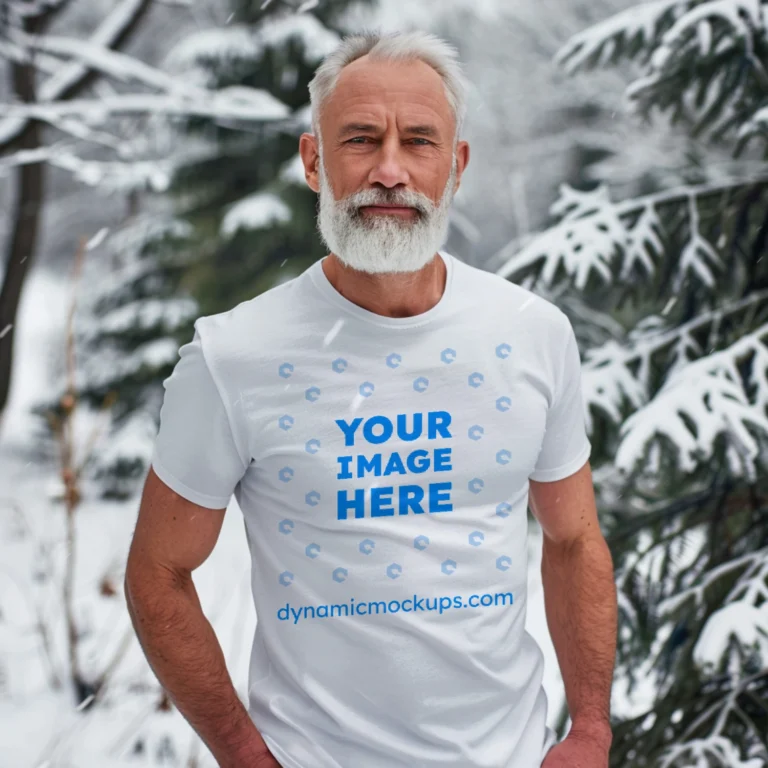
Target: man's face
<point>388,166</point>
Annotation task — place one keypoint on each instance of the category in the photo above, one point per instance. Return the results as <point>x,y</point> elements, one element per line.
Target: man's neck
<point>389,294</point>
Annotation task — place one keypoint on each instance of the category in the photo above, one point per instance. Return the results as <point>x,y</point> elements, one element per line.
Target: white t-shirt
<point>382,466</point>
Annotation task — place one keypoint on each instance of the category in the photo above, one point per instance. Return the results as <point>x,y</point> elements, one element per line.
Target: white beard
<point>383,243</point>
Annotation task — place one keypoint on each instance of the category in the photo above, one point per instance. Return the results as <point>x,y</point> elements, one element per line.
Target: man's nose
<point>389,167</point>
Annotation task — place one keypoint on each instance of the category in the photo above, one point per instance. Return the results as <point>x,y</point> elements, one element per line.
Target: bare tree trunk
<point>25,218</point>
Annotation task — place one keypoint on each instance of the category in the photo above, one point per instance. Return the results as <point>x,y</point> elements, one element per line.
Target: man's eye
<point>358,139</point>
<point>426,142</point>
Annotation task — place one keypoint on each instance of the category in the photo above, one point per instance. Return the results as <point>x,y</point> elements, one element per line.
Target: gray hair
<point>394,46</point>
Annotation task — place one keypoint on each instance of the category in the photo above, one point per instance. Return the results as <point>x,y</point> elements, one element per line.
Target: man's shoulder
<point>254,327</point>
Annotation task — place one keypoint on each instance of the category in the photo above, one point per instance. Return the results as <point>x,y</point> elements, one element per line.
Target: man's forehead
<point>369,87</point>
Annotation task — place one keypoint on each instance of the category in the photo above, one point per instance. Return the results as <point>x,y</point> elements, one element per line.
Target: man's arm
<point>174,536</point>
<point>579,598</point>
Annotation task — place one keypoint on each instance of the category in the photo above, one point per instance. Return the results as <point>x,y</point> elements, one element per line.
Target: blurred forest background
<point>149,175</point>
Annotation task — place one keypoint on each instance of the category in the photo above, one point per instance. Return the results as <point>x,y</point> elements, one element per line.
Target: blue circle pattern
<point>312,550</point>
<point>394,570</point>
<point>475,432</point>
<point>366,546</point>
<point>339,574</point>
<point>448,355</point>
<point>475,379</point>
<point>421,542</point>
<point>448,566</point>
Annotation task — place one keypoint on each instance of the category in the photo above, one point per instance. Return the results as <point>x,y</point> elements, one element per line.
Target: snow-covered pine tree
<point>253,216</point>
<point>677,402</point>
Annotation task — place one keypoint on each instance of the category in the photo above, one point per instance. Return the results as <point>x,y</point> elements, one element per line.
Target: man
<point>383,420</point>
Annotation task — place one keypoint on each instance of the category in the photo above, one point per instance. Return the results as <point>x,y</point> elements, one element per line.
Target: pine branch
<point>754,559</point>
<point>723,708</point>
<point>608,376</point>
<point>711,394</point>
<point>757,124</point>
<point>596,236</point>
<point>680,44</point>
<point>632,29</point>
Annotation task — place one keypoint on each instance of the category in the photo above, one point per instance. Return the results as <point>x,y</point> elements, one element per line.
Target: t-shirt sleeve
<point>566,447</point>
<point>197,452</point>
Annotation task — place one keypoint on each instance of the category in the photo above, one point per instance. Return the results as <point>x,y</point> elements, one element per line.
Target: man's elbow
<point>146,583</point>
<point>589,543</point>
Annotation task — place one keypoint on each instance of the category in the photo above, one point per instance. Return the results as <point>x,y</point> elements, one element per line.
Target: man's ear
<point>462,161</point>
<point>310,157</point>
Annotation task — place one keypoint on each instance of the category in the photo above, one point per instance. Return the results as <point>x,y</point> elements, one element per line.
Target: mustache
<point>406,198</point>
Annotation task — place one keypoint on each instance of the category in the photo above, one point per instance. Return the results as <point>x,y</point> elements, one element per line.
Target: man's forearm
<point>185,655</point>
<point>580,602</point>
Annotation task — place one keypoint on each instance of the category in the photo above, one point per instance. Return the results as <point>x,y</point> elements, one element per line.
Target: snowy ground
<point>40,726</point>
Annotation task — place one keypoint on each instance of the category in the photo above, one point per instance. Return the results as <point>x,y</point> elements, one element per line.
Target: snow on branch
<point>614,374</point>
<point>112,365</point>
<point>33,8</point>
<point>292,171</point>
<point>208,48</point>
<point>233,102</point>
<point>752,564</point>
<point>317,40</point>
<point>106,35</point>
<point>664,26</point>
<point>257,211</point>
<point>744,17</point>
<point>140,175</point>
<point>715,745</point>
<point>590,237</point>
<point>607,382</point>
<point>615,241</point>
<point>699,403</point>
<point>637,26</point>
<point>713,750</point>
<point>170,314</point>
<point>684,38</point>
<point>697,252</point>
<point>108,62</point>
<point>757,124</point>
<point>180,97</point>
<point>140,233</point>
<point>227,44</point>
<point>743,615</point>
<point>48,64</point>
<point>66,77</point>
